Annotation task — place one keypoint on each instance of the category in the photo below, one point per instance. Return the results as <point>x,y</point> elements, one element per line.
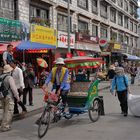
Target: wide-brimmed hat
<point>7,68</point>
<point>119,70</point>
<point>60,61</point>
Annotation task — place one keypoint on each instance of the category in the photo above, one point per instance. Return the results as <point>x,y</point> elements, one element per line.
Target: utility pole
<point>69,26</point>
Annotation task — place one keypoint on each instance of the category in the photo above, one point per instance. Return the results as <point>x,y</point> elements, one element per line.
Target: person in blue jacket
<point>120,85</point>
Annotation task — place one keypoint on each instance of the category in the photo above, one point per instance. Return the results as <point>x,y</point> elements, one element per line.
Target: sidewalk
<point>39,104</point>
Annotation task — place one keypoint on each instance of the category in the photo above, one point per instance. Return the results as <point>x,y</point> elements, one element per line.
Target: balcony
<point>40,21</point>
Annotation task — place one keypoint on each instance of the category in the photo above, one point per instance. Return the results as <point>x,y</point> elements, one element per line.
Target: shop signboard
<point>81,37</point>
<point>117,46</point>
<point>43,35</point>
<point>63,40</point>
<point>103,43</point>
<point>10,30</point>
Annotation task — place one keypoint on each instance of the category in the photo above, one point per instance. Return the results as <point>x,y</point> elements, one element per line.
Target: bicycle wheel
<point>44,122</point>
<point>94,111</point>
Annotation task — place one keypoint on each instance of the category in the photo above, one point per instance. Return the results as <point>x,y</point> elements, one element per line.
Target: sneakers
<point>125,114</point>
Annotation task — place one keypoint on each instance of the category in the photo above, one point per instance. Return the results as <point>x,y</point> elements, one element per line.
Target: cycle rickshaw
<point>83,97</point>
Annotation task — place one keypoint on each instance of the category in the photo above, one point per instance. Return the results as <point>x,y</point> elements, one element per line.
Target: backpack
<point>4,91</point>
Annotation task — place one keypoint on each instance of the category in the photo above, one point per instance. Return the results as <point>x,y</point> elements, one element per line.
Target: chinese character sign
<point>10,30</point>
<point>63,40</point>
<point>43,35</point>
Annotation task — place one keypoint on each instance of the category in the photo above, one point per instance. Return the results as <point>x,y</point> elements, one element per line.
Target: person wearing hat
<point>8,101</point>
<point>59,77</point>
<point>121,85</point>
<point>29,77</point>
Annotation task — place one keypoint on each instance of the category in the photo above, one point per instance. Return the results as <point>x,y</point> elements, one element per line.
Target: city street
<point>112,126</point>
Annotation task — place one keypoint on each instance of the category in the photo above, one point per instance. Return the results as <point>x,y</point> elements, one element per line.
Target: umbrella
<point>42,63</point>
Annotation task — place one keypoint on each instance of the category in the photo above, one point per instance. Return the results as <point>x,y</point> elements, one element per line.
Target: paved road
<point>112,126</point>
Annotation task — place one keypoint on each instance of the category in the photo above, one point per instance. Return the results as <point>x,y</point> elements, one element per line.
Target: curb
<point>38,110</point>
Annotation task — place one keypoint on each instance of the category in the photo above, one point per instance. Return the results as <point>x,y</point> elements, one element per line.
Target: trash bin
<point>102,112</point>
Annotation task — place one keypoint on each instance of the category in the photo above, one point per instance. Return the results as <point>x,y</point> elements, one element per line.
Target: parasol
<point>83,62</point>
<point>42,63</point>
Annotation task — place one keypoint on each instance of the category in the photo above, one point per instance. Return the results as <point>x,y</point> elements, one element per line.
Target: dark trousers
<point>26,90</point>
<point>122,96</point>
<point>20,103</point>
<point>132,79</point>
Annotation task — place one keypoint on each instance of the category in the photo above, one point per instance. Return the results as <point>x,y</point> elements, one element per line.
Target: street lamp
<point>69,26</point>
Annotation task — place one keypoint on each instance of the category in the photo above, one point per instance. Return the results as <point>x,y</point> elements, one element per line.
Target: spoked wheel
<point>68,116</point>
<point>44,122</point>
<point>94,111</point>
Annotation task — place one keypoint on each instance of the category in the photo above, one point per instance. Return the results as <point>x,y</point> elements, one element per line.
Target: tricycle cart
<point>81,99</point>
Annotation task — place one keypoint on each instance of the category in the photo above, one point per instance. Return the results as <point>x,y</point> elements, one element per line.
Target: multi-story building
<point>114,20</point>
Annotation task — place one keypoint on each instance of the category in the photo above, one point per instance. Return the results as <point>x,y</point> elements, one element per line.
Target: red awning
<point>81,53</point>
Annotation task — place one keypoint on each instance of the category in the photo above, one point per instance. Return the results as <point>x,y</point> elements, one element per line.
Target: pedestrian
<point>59,77</point>
<point>17,74</point>
<point>8,101</point>
<point>120,85</point>
<point>29,77</point>
<point>133,72</point>
<point>111,73</point>
<point>8,55</point>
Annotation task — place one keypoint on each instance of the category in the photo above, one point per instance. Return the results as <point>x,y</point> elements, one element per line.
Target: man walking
<point>17,74</point>
<point>8,101</point>
<point>120,83</point>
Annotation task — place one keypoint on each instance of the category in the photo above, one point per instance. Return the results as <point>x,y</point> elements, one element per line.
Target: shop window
<point>83,27</point>
<point>103,32</point>
<point>62,22</point>
<point>113,15</point>
<point>83,4</point>
<point>95,6</point>
<point>103,10</point>
<point>120,19</point>
<point>95,30</point>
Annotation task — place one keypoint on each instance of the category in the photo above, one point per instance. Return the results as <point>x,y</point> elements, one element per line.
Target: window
<point>113,36</point>
<point>39,13</point>
<point>120,19</point>
<point>126,22</point>
<point>131,41</point>
<point>62,22</point>
<point>126,40</point>
<point>135,43</point>
<point>131,26</point>
<point>113,15</point>
<point>67,0</point>
<point>94,30</point>
<point>131,9</point>
<point>120,38</point>
<point>125,5</point>
<point>83,27</point>
<point>83,4</point>
<point>94,6</point>
<point>8,4</point>
<point>135,28</point>
<point>103,11</point>
<point>103,32</point>
<point>120,3</point>
<point>113,1</point>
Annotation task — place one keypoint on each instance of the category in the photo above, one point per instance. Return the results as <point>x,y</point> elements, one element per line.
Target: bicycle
<point>54,106</point>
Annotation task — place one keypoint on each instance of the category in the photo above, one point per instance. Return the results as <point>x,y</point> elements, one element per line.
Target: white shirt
<point>18,78</point>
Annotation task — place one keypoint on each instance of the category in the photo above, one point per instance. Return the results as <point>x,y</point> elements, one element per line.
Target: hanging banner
<point>63,40</point>
<point>43,35</point>
<point>10,30</point>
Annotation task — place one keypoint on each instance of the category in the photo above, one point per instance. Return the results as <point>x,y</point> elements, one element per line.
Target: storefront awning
<point>27,45</point>
<point>131,57</point>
